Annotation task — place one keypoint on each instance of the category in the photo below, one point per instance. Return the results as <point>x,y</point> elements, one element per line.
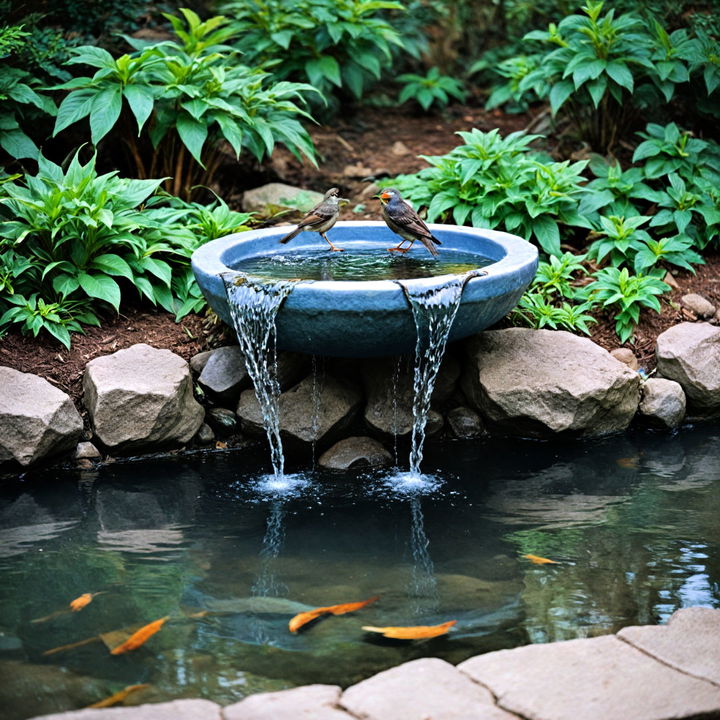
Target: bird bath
<point>366,318</point>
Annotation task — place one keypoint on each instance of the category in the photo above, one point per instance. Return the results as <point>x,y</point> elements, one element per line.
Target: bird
<point>321,218</point>
<point>403,220</point>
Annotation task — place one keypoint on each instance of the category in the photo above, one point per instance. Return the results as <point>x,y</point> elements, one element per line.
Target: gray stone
<point>540,382</point>
<point>600,678</point>
<point>205,435</point>
<point>626,356</point>
<point>309,412</point>
<point>312,702</point>
<point>37,420</point>
<point>662,404</point>
<point>689,353</point>
<point>355,452</point>
<point>421,689</point>
<point>174,710</point>
<point>141,397</point>
<point>86,450</point>
<point>222,419</point>
<point>701,306</point>
<point>275,196</point>
<point>690,642</point>
<point>224,375</point>
<point>292,367</point>
<point>465,423</point>
<point>435,423</point>
<point>198,362</point>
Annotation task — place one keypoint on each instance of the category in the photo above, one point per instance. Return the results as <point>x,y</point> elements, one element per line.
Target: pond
<point>632,522</point>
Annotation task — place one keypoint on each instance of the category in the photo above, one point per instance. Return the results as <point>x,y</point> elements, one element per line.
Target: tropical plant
<point>491,181</point>
<point>186,97</point>
<point>515,91</point>
<point>330,44</point>
<point>432,89</point>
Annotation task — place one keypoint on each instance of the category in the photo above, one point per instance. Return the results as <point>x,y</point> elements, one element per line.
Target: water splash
<point>267,583</point>
<point>423,585</point>
<point>253,307</point>
<point>395,385</point>
<point>434,309</point>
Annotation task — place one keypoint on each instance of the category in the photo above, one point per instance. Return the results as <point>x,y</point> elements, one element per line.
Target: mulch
<point>354,152</point>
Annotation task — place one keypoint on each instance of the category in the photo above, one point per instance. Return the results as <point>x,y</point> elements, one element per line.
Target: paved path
<point>664,672</point>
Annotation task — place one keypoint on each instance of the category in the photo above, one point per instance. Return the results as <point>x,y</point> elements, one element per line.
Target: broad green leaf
<point>101,287</point>
<point>193,133</point>
<point>105,111</point>
<point>141,103</point>
<point>112,264</point>
<point>73,108</point>
<point>548,235</point>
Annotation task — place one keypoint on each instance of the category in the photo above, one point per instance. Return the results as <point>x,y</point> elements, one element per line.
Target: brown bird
<point>321,218</point>
<point>403,220</point>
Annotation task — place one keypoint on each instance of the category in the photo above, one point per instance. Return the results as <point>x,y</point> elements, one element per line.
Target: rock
<point>140,398</point>
<point>465,423</point>
<point>689,642</point>
<point>662,404</point>
<point>336,401</point>
<point>355,452</point>
<point>419,690</point>
<point>689,353</point>
<point>277,196</point>
<point>435,423</point>
<point>540,382</point>
<point>37,420</point>
<point>198,362</point>
<point>626,356</point>
<point>357,171</point>
<point>86,450</point>
<point>224,375</point>
<point>604,678</point>
<point>314,702</point>
<point>370,190</point>
<point>702,307</point>
<point>205,435</point>
<point>715,320</point>
<point>222,419</point>
<point>292,367</point>
<point>400,148</point>
<point>671,281</point>
<point>174,710</point>
<point>389,390</point>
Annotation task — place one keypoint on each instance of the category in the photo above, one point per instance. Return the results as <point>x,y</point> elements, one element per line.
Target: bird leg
<point>400,247</point>
<point>332,247</point>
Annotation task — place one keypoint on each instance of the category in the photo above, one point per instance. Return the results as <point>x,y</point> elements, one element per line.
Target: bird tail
<point>431,247</point>
<point>291,235</point>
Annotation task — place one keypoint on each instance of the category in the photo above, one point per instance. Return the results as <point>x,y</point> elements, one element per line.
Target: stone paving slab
<point>313,702</point>
<point>601,678</point>
<point>175,710</point>
<point>689,642</point>
<point>423,689</point>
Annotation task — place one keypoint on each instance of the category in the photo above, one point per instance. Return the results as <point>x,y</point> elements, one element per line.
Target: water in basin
<point>632,521</point>
<point>359,264</point>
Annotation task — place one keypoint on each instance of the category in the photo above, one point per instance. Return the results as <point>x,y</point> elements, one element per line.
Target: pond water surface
<point>230,558</point>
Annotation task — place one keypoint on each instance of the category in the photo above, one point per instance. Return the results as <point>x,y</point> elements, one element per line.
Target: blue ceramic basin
<point>371,318</point>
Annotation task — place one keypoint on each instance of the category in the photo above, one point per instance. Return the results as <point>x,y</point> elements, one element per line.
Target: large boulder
<point>540,382</point>
<point>309,412</point>
<point>277,196</point>
<point>36,419</point>
<point>663,403</point>
<point>689,353</point>
<point>141,397</point>
<point>224,375</point>
<point>355,452</point>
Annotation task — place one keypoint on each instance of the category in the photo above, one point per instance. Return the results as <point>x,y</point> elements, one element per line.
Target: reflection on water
<point>632,522</point>
<point>358,264</point>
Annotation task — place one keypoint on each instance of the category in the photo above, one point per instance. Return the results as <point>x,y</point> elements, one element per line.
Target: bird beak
<point>343,201</point>
<point>382,196</point>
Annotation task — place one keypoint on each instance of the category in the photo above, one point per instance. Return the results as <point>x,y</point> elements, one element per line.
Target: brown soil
<point>354,152</point>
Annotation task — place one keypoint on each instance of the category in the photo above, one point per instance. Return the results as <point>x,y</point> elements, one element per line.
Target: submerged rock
<point>689,353</point>
<point>541,382</point>
<point>36,419</point>
<point>224,375</point>
<point>465,423</point>
<point>355,452</point>
<point>662,404</point>
<point>141,397</point>
<point>309,412</point>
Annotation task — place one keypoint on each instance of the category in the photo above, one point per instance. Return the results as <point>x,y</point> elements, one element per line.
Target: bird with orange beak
<point>402,219</point>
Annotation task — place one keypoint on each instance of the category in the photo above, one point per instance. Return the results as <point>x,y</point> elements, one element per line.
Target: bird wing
<point>317,216</point>
<point>406,217</point>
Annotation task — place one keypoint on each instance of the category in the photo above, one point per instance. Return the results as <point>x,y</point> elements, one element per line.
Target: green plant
<point>432,89</point>
<point>619,239</point>
<point>629,293</point>
<point>330,44</point>
<point>492,181</point>
<point>676,250</point>
<point>515,91</point>
<point>186,98</point>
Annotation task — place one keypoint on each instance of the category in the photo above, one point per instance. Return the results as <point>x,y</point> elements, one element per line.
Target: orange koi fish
<point>85,599</point>
<point>140,637</point>
<point>418,632</point>
<point>537,560</point>
<point>118,697</point>
<point>306,617</point>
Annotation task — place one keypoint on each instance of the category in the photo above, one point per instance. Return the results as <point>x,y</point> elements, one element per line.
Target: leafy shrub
<point>433,89</point>
<point>186,97</point>
<point>492,181</point>
<point>74,242</point>
<point>330,44</point>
